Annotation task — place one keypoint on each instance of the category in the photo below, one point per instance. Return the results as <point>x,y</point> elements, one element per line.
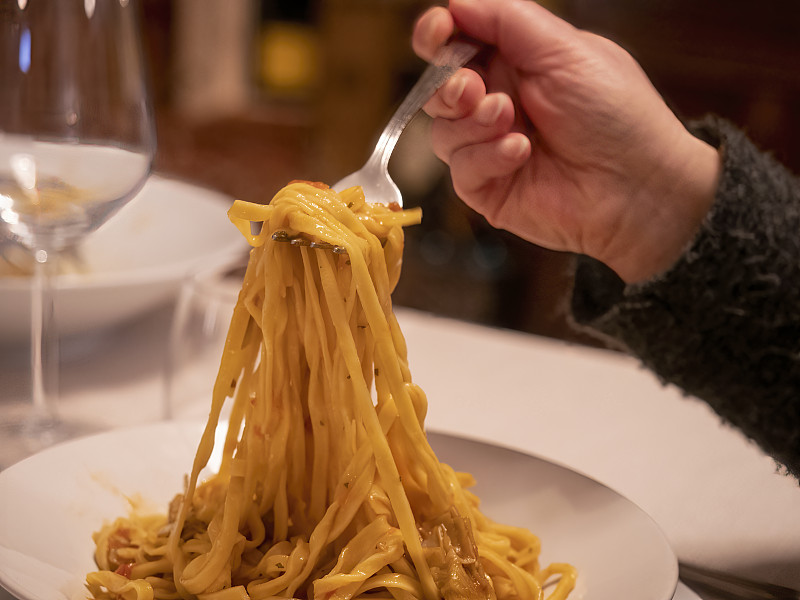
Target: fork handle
<point>449,59</point>
<point>733,587</point>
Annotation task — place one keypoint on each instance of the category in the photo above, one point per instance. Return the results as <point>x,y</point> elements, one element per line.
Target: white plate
<point>134,262</point>
<point>52,502</point>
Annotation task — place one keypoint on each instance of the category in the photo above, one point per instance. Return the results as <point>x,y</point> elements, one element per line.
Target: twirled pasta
<point>328,487</point>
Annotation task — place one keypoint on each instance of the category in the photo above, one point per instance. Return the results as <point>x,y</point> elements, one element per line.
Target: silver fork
<point>374,177</point>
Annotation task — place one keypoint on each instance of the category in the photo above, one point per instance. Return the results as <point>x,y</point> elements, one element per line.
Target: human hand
<point>562,140</point>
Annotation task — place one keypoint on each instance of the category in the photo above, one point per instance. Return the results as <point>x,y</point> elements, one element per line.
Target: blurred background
<point>250,94</point>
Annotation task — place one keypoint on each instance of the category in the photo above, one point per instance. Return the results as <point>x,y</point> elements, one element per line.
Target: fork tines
<point>282,236</point>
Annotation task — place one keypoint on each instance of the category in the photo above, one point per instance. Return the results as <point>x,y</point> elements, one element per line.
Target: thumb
<point>522,30</point>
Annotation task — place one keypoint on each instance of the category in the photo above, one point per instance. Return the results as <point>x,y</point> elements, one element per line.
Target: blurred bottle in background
<point>211,57</point>
<point>287,49</point>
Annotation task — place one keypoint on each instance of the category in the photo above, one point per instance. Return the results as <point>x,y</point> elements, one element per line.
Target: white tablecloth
<point>719,500</point>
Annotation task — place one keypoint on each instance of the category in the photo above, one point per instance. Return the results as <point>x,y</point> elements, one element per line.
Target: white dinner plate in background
<point>51,503</point>
<point>133,263</point>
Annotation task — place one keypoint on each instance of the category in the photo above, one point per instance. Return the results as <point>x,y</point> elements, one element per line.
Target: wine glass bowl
<point>76,130</point>
<point>77,141</point>
<point>52,194</point>
<point>202,316</point>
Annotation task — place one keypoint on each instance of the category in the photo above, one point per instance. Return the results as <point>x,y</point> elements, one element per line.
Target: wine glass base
<point>24,433</point>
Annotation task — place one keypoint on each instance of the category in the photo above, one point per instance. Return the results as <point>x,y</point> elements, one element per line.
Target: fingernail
<point>426,29</point>
<point>452,91</point>
<point>489,111</point>
<point>514,146</point>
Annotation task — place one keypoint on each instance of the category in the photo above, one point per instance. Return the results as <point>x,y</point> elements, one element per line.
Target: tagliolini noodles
<point>328,487</point>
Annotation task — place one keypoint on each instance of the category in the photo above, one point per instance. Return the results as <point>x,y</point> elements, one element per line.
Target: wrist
<point>671,211</point>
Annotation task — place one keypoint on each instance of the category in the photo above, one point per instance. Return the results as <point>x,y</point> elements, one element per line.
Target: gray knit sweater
<point>724,323</point>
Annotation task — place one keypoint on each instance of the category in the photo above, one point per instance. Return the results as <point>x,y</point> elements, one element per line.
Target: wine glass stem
<point>44,338</point>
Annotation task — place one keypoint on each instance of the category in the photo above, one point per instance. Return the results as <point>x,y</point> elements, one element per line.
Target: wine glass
<point>202,316</point>
<point>77,141</point>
